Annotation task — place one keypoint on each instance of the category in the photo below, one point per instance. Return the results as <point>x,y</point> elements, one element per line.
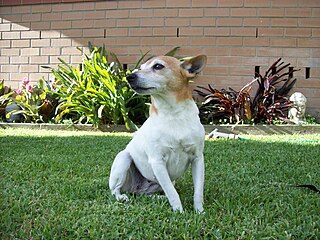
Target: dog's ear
<point>194,65</point>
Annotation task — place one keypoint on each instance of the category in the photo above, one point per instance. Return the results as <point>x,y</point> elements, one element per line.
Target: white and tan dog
<point>170,139</point>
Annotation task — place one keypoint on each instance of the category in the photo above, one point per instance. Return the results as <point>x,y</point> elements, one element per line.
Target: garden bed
<point>231,128</point>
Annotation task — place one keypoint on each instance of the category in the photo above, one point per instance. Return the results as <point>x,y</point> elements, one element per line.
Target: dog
<point>171,138</point>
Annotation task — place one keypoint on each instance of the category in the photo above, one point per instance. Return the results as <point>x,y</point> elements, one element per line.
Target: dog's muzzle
<point>133,80</point>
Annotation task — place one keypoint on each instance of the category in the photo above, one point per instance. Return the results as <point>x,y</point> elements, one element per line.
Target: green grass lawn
<point>54,185</point>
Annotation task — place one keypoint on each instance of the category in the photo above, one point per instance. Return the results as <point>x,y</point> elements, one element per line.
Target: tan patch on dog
<point>152,108</point>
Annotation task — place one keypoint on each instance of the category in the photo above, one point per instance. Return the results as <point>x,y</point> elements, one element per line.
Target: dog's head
<point>164,74</point>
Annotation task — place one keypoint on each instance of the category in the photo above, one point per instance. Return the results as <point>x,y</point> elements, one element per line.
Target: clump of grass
<point>55,185</point>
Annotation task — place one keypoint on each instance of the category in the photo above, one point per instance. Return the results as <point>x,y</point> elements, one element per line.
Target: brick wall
<point>236,35</point>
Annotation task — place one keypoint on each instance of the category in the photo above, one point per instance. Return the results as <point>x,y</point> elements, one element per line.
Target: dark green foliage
<point>270,101</point>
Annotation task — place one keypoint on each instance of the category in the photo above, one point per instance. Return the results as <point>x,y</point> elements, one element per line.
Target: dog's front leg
<point>161,173</point>
<point>118,174</point>
<point>198,182</point>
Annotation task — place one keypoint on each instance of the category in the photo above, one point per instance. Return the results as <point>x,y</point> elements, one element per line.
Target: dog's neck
<point>171,105</point>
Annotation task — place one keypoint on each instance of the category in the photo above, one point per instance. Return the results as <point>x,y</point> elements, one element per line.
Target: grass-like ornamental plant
<point>270,101</point>
<point>97,92</point>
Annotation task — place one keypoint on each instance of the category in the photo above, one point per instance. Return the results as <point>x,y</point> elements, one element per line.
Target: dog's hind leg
<point>119,174</point>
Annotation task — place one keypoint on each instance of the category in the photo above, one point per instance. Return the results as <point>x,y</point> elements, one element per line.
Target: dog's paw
<point>178,209</point>
<point>122,198</point>
<point>199,210</point>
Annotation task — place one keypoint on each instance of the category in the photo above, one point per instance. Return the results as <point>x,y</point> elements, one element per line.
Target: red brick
<point>153,4</point>
<point>270,12</point>
<point>94,15</point>
<point>84,23</point>
<point>104,23</point>
<point>165,31</point>
<point>117,32</point>
<point>38,59</point>
<point>40,43</point>
<point>71,15</point>
<point>11,35</point>
<point>128,41</point>
<point>297,32</point>
<point>191,12</point>
<point>285,3</point>
<point>243,31</point>
<point>191,31</point>
<point>261,42</point>
<point>141,13</point>
<point>4,44</point>
<point>217,12</point>
<point>61,25</point>
<point>177,22</point>
<point>15,27</point>
<point>204,3</point>
<point>61,7</point>
<point>140,32</point>
<point>309,22</point>
<point>269,51</point>
<point>229,22</point>
<point>316,12</point>
<point>5,60</point>
<point>255,3</point>
<point>152,41</point>
<point>165,12</point>
<point>30,34</point>
<point>178,3</point>
<point>217,31</point>
<point>230,3</point>
<point>229,41</point>
<point>270,32</point>
<point>50,34</point>
<point>49,51</point>
<point>309,3</point>
<point>60,42</point>
<point>29,68</point>
<point>243,12</point>
<point>154,22</point>
<point>41,8</point>
<point>256,22</point>
<point>220,51</point>
<point>117,14</point>
<point>83,6</point>
<point>19,60</point>
<point>307,42</point>
<point>93,33</point>
<point>21,9</point>
<point>129,4</point>
<point>10,52</point>
<point>31,17</point>
<point>106,5</point>
<point>284,22</point>
<point>298,12</point>
<point>216,70</point>
<point>208,41</point>
<point>40,25</point>
<point>128,22</point>
<point>316,32</point>
<point>283,42</point>
<point>30,51</point>
<point>294,52</point>
<point>73,33</point>
<point>20,43</point>
<point>203,22</point>
<point>53,16</point>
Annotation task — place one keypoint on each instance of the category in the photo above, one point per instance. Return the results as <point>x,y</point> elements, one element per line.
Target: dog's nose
<point>131,77</point>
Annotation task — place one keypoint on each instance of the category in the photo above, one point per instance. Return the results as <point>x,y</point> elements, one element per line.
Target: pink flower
<point>29,88</point>
<point>25,81</point>
<point>19,91</point>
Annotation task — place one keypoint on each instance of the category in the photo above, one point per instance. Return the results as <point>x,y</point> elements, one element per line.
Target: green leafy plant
<point>270,101</point>
<point>97,92</point>
<point>36,102</point>
<point>5,93</point>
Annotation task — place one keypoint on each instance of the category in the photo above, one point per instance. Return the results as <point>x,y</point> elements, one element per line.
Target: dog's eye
<point>158,66</point>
